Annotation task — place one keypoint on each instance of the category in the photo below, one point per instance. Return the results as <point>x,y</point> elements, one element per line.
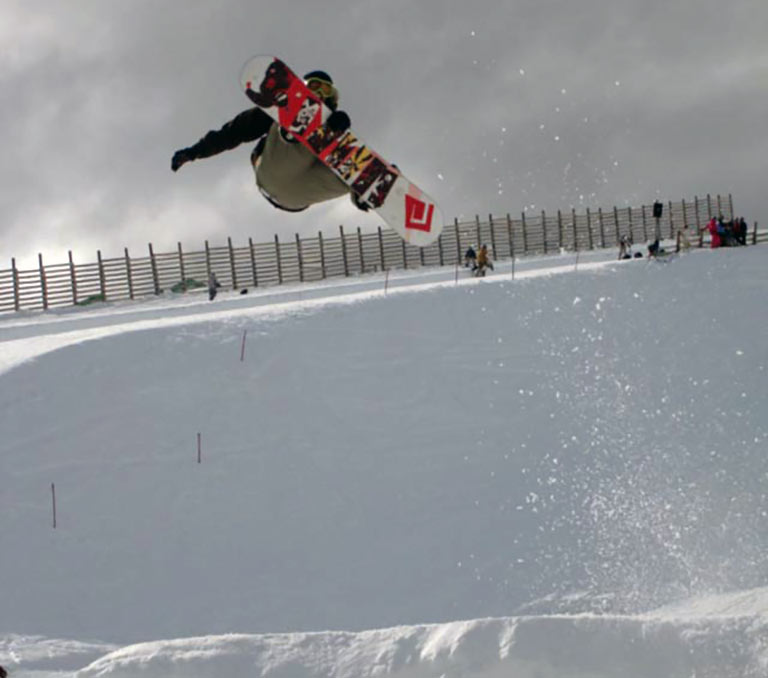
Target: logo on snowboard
<point>418,215</point>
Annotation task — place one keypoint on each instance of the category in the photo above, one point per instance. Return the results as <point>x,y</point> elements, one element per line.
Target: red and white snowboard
<point>277,90</point>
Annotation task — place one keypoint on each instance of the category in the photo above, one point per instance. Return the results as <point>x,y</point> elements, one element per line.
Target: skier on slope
<point>287,174</point>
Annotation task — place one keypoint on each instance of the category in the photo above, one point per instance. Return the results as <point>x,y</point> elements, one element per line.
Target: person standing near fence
<point>470,258</point>
<point>213,288</point>
<point>483,261</point>
<point>714,234</point>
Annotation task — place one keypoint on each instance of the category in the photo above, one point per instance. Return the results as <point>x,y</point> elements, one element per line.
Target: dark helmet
<point>322,84</point>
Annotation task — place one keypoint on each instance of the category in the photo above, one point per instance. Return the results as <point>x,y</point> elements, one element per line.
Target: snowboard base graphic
<point>280,93</point>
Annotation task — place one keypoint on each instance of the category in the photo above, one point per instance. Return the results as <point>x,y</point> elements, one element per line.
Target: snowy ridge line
<point>39,339</point>
<point>196,298</point>
<point>62,285</point>
<point>647,646</point>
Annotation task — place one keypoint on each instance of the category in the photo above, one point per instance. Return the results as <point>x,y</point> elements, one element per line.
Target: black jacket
<point>247,126</point>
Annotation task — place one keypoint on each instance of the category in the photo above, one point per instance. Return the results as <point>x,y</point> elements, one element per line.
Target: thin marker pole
<point>199,449</point>
<point>242,346</point>
<point>386,281</point>
<point>53,502</point>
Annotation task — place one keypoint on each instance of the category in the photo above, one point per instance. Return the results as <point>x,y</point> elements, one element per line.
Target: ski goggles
<point>322,88</point>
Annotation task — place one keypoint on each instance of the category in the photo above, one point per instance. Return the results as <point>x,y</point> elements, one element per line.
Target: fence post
<point>439,249</point>
<point>645,225</point>
<point>344,250</point>
<point>181,267</point>
<point>730,204</point>
<point>709,206</point>
<point>153,264</point>
<point>72,278</point>
<point>477,230</point>
<point>525,236</point>
<point>559,230</point>
<point>102,277</point>
<point>589,230</point>
<point>458,238</point>
<point>575,233</point>
<point>232,263</point>
<point>629,216</point>
<point>129,273</point>
<point>279,262</point>
<point>360,249</point>
<point>616,223</point>
<point>15,275</point>
<point>671,222</point>
<point>493,236</point>
<point>253,263</point>
<point>322,253</point>
<point>43,282</point>
<point>719,206</point>
<point>698,221</point>
<point>544,229</point>
<point>696,210</point>
<point>300,256</point>
<point>405,256</point>
<point>381,249</point>
<point>509,237</point>
<point>602,226</point>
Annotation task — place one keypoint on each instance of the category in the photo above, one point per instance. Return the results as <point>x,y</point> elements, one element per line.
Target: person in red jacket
<point>712,227</point>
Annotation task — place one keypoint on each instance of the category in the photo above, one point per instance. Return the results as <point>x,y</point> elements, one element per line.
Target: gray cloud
<point>491,107</point>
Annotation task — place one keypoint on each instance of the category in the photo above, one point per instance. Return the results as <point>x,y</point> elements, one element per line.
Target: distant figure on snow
<point>714,233</point>
<point>470,258</point>
<point>625,247</point>
<point>213,288</point>
<point>483,261</point>
<point>655,249</point>
<point>3,672</point>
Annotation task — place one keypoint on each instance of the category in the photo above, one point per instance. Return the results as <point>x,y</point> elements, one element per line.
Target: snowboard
<point>280,93</point>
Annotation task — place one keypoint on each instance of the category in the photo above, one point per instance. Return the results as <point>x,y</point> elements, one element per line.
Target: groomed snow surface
<point>575,461</point>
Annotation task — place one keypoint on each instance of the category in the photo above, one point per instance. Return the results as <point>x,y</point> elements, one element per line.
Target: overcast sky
<point>490,106</point>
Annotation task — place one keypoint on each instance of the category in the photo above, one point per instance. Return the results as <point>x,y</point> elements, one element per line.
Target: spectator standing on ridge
<point>714,234</point>
<point>740,227</point>
<point>470,258</point>
<point>625,247</point>
<point>213,288</point>
<point>483,261</point>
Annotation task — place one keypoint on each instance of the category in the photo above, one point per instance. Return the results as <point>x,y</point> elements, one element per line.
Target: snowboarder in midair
<point>287,174</point>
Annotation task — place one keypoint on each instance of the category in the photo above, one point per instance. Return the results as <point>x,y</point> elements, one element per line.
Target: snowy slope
<point>582,449</point>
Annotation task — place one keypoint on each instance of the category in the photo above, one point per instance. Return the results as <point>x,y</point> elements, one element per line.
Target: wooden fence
<point>351,253</point>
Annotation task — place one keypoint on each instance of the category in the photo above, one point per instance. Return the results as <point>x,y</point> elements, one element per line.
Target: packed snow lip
<point>531,456</point>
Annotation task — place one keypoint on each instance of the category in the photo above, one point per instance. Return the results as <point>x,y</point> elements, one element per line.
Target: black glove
<point>338,121</point>
<point>360,204</point>
<point>180,157</point>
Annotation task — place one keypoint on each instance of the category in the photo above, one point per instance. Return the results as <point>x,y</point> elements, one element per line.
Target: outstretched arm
<point>247,126</point>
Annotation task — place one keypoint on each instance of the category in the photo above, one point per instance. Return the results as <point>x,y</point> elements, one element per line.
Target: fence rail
<point>351,253</point>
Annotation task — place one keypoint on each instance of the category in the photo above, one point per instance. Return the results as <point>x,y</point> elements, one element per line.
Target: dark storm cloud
<point>494,107</point>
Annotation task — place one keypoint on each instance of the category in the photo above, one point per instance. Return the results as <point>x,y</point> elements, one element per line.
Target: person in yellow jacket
<point>483,261</point>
